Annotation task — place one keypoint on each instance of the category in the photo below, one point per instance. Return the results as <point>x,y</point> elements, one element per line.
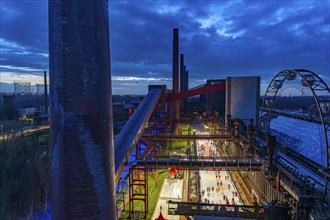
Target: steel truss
<point>201,162</point>
<point>271,211</point>
<point>321,94</point>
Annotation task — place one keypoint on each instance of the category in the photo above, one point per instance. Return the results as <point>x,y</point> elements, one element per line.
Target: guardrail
<point>206,209</point>
<point>201,162</point>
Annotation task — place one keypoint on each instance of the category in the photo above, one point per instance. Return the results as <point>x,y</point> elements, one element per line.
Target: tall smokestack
<point>187,79</point>
<point>45,91</point>
<point>82,148</point>
<point>176,76</point>
<point>184,83</point>
<point>182,73</point>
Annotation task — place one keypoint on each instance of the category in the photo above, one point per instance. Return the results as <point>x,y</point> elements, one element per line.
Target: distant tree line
<point>294,102</point>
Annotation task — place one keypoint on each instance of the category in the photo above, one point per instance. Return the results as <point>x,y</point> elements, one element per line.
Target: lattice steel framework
<point>40,89</point>
<point>22,88</point>
<point>321,94</point>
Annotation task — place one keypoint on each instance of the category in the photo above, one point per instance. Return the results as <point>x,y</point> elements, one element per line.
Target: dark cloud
<point>25,23</point>
<point>24,37</point>
<point>218,38</point>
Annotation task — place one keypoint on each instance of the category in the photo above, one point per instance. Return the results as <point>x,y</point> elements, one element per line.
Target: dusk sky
<point>219,39</point>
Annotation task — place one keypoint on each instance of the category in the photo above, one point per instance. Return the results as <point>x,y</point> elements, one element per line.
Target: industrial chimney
<point>82,148</point>
<point>176,103</point>
<point>45,91</point>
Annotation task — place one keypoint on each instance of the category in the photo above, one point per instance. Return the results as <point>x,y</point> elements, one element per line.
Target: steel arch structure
<point>321,94</point>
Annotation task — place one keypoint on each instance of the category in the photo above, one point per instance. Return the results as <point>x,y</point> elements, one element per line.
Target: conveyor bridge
<point>131,133</point>
<point>197,91</point>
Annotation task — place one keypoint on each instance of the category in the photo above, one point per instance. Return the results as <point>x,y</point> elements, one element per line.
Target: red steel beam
<point>197,91</point>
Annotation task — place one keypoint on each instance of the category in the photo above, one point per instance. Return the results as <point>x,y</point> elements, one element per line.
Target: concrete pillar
<point>176,77</point>
<point>270,144</point>
<point>82,147</point>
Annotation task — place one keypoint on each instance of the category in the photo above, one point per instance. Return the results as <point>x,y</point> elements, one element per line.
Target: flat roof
<point>306,138</point>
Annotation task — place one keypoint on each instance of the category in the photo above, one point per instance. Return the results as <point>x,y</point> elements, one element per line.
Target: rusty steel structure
<point>196,91</point>
<point>235,211</point>
<point>128,138</point>
<point>83,151</point>
<point>138,188</point>
<point>82,147</point>
<point>201,162</point>
<point>246,154</point>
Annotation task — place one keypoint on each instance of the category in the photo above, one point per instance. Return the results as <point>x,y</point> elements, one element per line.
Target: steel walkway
<point>271,211</point>
<point>206,209</point>
<point>199,163</point>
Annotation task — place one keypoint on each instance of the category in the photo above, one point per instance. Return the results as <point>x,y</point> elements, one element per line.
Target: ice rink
<point>171,190</point>
<point>215,186</point>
